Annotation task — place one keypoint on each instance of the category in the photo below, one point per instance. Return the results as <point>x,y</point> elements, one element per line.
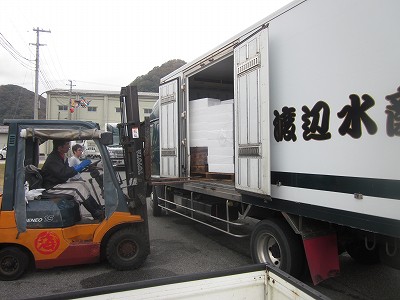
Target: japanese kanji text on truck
<point>294,122</point>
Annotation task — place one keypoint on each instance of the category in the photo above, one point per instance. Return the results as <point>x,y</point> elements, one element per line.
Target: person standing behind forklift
<point>56,172</point>
<point>74,160</point>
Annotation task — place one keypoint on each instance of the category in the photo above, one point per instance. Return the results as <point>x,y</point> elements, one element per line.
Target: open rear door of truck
<point>252,143</point>
<point>169,140</point>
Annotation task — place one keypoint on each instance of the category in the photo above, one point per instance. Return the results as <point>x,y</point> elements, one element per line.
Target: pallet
<point>212,175</point>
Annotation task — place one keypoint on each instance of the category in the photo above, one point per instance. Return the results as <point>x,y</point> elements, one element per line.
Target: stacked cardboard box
<point>211,126</point>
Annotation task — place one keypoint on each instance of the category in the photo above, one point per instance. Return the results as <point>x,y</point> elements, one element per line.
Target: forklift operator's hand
<point>79,168</point>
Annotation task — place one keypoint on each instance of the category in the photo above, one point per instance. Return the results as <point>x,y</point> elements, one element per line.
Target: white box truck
<point>115,150</point>
<point>314,136</point>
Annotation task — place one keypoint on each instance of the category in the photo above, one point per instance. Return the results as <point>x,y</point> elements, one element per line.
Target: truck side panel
<point>333,80</point>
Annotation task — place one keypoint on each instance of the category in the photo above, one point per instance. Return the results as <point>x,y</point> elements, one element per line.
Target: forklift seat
<point>35,181</point>
<point>33,177</point>
<point>63,208</point>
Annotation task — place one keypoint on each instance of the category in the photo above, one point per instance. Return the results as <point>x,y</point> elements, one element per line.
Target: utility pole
<point>70,86</point>
<point>35,105</point>
<point>69,101</point>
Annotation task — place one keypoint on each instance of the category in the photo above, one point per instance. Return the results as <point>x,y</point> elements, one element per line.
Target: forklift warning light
<point>135,132</point>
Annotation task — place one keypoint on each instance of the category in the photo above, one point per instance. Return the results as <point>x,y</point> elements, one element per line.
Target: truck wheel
<point>126,249</point>
<point>13,263</point>
<point>274,242</point>
<point>362,255</point>
<point>154,203</point>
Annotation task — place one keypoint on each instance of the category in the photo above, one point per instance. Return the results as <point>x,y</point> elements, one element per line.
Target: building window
<point>118,109</point>
<point>147,111</point>
<point>92,108</point>
<point>63,107</point>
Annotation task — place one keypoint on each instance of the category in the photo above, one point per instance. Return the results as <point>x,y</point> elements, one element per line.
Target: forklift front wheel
<point>126,250</point>
<point>13,263</point>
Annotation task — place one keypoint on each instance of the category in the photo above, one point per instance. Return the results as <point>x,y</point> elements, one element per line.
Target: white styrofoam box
<point>219,134</point>
<point>219,148</point>
<point>211,125</point>
<point>229,101</point>
<point>200,106</point>
<point>203,102</point>
<point>208,125</point>
<point>221,168</point>
<point>220,159</point>
<point>198,143</point>
<point>211,115</point>
<point>214,146</point>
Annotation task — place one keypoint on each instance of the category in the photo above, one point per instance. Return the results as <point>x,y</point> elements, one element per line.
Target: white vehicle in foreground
<point>248,282</point>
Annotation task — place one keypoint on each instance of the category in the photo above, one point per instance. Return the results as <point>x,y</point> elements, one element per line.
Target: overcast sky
<point>106,44</point>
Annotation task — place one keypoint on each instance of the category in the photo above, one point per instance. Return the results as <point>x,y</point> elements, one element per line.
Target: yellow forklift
<point>50,230</point>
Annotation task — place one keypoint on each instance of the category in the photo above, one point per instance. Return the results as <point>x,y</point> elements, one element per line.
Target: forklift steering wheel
<point>91,165</point>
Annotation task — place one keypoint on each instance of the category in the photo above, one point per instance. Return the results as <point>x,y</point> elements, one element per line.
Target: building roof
<point>97,92</point>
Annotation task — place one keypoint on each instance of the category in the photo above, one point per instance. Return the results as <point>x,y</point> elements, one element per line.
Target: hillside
<point>17,103</point>
<point>151,81</point>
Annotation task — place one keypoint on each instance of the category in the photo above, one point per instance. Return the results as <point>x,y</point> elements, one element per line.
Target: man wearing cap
<point>56,172</point>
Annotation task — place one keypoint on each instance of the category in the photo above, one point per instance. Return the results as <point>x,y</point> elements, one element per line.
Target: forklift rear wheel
<point>13,263</point>
<point>154,203</point>
<point>274,242</point>
<point>126,249</point>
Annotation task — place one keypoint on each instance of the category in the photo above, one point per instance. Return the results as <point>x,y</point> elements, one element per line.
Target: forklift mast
<point>134,135</point>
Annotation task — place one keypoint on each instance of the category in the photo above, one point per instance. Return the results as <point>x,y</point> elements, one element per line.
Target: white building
<point>97,106</point>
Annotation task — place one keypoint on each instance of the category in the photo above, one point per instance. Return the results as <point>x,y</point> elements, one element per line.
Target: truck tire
<point>154,203</point>
<point>126,249</point>
<point>274,242</point>
<point>13,263</point>
<point>362,255</point>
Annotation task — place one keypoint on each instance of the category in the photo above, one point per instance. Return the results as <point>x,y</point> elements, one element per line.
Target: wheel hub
<point>127,249</point>
<point>269,250</point>
<point>9,264</point>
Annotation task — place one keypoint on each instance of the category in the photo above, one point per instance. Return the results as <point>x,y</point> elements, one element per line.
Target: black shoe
<point>98,215</point>
<point>94,208</point>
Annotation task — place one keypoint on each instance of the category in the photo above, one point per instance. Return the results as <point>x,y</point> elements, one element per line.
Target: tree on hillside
<point>17,103</point>
<point>151,81</point>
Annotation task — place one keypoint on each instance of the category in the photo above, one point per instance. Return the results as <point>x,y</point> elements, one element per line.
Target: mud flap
<point>322,257</point>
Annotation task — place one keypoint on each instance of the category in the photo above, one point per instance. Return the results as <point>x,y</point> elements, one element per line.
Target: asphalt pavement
<point>180,246</point>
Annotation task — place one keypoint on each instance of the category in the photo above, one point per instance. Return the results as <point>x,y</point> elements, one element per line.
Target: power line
<point>98,83</point>
<point>25,62</point>
<point>59,67</point>
<point>45,80</point>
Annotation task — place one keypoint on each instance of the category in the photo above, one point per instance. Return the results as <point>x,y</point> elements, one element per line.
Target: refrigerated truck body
<point>315,93</point>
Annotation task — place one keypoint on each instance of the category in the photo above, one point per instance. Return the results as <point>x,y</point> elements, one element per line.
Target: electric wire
<point>59,66</point>
<point>25,62</point>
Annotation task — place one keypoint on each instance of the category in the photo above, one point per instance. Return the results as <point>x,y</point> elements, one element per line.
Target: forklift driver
<point>56,172</point>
